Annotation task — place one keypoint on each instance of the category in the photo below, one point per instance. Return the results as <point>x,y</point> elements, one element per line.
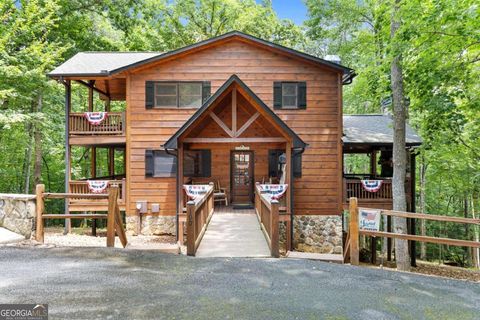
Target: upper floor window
<point>176,94</point>
<point>290,95</point>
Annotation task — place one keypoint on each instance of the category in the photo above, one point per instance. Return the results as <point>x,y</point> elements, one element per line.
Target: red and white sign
<point>95,118</point>
<point>196,191</point>
<point>97,186</point>
<point>273,191</point>
<point>372,185</point>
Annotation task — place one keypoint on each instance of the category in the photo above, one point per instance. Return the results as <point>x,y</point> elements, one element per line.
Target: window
<point>290,95</point>
<point>276,157</point>
<point>178,95</point>
<point>197,163</point>
<point>158,163</point>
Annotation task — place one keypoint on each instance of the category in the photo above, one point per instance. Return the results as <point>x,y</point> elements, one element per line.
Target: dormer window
<point>290,95</point>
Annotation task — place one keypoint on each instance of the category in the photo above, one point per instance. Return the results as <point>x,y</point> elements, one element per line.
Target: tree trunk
<point>399,147</point>
<point>37,166</point>
<point>423,209</point>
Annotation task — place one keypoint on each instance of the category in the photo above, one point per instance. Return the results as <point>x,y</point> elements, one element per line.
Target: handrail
<point>114,220</point>
<point>199,214</point>
<point>80,187</point>
<point>355,231</point>
<point>268,216</point>
<point>114,124</point>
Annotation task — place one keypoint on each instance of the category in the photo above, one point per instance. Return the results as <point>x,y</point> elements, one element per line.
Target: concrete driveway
<point>86,283</point>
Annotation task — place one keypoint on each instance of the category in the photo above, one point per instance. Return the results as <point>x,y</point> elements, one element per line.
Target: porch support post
<point>373,163</point>
<point>180,229</point>
<point>68,107</point>
<point>413,244</point>
<point>288,177</point>
<point>111,161</point>
<point>93,158</point>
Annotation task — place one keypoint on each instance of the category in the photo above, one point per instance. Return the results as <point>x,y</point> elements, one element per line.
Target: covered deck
<point>367,149</point>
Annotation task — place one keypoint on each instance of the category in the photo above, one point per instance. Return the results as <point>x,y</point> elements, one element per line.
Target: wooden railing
<point>114,124</point>
<point>81,187</point>
<point>354,188</point>
<point>199,213</point>
<point>352,243</point>
<point>114,219</point>
<point>268,216</point>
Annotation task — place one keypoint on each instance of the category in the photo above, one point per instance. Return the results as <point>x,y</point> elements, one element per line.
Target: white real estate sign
<point>369,219</point>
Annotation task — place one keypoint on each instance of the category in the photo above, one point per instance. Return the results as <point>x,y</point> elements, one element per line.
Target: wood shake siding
<point>319,189</point>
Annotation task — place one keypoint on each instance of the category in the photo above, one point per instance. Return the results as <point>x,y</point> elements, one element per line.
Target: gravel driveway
<point>86,283</point>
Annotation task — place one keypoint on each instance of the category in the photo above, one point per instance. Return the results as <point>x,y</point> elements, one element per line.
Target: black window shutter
<point>149,94</point>
<point>302,95</point>
<point>277,95</point>
<point>206,163</point>
<point>273,162</point>
<point>206,90</point>
<point>297,165</point>
<point>149,163</point>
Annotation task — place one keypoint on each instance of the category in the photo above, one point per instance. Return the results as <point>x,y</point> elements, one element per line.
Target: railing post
<point>39,234</point>
<point>112,202</point>
<point>274,237</point>
<point>353,230</point>
<point>191,224</point>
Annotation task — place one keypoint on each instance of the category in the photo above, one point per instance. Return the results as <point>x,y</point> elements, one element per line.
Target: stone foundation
<point>17,213</point>
<point>152,225</point>
<point>321,234</point>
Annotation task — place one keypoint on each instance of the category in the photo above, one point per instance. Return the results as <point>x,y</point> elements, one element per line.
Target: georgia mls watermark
<point>23,311</point>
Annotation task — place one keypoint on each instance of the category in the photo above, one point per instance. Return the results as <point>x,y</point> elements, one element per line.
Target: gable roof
<point>112,63</point>
<point>98,63</point>
<point>172,142</point>
<point>374,129</point>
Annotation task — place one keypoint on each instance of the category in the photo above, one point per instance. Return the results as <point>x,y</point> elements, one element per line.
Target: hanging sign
<point>196,191</point>
<point>273,191</point>
<point>242,147</point>
<point>95,118</point>
<point>97,186</point>
<point>372,185</point>
<point>369,219</point>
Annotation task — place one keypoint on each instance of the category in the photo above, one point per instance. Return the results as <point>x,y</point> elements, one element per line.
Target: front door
<point>241,177</point>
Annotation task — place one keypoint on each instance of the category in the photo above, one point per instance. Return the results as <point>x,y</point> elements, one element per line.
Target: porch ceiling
<point>234,114</point>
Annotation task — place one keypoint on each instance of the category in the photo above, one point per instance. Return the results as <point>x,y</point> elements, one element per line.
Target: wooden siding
<point>319,189</point>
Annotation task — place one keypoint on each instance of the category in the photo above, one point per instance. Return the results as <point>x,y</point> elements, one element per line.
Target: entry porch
<point>234,141</point>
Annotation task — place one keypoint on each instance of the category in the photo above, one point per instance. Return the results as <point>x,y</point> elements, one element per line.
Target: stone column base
<point>152,225</point>
<point>320,234</point>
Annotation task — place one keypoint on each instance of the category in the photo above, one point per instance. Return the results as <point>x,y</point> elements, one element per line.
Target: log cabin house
<point>230,110</point>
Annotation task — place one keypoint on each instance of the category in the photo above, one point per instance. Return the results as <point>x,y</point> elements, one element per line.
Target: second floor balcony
<point>96,128</point>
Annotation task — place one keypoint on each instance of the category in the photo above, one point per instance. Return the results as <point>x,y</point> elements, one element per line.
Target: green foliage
<point>440,45</point>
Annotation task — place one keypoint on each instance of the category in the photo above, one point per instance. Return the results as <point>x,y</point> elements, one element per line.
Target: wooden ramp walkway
<point>233,233</point>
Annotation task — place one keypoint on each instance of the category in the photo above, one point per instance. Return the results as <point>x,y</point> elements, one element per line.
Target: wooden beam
<point>93,88</point>
<point>234,111</point>
<point>221,124</point>
<point>447,241</point>
<point>180,229</point>
<point>68,109</point>
<point>93,162</point>
<point>90,95</point>
<point>426,216</point>
<point>247,124</point>
<point>233,140</point>
<point>353,231</point>
<point>288,176</point>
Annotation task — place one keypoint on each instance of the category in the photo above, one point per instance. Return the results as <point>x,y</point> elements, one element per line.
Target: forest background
<point>438,40</point>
